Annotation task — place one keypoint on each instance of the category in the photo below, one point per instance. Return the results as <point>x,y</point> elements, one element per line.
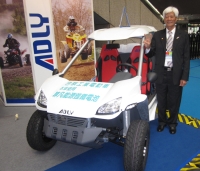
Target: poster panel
<point>16,81</point>
<point>41,38</point>
<point>73,22</point>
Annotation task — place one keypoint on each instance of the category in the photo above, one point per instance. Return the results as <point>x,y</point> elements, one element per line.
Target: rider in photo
<point>13,53</point>
<point>73,27</point>
<point>12,43</point>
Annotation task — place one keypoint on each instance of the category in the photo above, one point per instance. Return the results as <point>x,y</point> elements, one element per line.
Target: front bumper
<point>71,130</point>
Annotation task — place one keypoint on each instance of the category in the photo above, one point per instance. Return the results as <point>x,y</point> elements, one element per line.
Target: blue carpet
<point>191,92</point>
<point>166,153</point>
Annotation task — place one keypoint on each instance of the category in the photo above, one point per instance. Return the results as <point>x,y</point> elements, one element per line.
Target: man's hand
<point>147,40</point>
<point>183,83</point>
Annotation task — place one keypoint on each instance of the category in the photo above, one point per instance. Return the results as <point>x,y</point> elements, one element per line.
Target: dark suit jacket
<point>180,55</point>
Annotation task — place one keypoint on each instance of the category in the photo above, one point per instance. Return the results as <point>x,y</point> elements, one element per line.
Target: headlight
<point>42,100</point>
<point>110,107</point>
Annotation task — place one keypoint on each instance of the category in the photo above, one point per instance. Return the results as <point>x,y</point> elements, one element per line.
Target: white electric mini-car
<point>116,106</point>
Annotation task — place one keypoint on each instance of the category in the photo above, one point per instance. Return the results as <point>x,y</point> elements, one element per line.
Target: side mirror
<point>152,77</point>
<point>55,71</point>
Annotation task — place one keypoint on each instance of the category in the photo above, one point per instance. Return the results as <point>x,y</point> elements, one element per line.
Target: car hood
<point>83,98</point>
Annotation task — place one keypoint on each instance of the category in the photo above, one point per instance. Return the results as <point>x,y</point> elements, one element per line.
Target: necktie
<point>169,42</point>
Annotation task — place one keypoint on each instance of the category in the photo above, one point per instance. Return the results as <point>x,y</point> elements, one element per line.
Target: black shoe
<point>160,128</point>
<point>172,129</point>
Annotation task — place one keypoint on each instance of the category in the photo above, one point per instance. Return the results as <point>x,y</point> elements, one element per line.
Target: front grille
<point>54,132</point>
<point>74,136</point>
<point>67,120</point>
<point>64,133</point>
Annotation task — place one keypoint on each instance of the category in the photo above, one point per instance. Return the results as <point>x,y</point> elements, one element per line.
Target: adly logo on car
<point>67,112</point>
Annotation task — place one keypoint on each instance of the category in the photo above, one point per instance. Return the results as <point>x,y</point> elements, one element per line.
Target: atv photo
<point>72,45</point>
<point>11,57</point>
<point>114,106</point>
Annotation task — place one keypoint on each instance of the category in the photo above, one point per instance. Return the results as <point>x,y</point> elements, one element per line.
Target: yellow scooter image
<point>71,46</point>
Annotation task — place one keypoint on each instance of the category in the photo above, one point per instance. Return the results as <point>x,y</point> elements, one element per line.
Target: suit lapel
<point>176,38</point>
<point>163,39</point>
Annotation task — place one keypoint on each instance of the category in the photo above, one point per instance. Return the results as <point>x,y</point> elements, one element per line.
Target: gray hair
<point>171,9</point>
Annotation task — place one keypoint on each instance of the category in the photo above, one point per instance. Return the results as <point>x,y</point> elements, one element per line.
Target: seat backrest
<point>106,64</point>
<point>145,68</point>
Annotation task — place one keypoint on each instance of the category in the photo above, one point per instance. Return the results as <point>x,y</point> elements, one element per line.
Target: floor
<point>16,154</point>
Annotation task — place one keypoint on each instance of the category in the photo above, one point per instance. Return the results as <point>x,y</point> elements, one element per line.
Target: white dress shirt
<point>167,35</point>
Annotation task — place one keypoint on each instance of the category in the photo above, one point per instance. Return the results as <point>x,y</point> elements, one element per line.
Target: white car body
<point>86,108</point>
<point>90,113</point>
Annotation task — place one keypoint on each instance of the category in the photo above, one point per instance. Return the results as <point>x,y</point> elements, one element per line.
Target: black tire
<point>20,60</point>
<point>10,63</point>
<point>64,54</point>
<point>84,56</point>
<point>35,135</point>
<point>28,62</point>
<point>1,63</point>
<point>63,59</point>
<point>136,146</point>
<point>67,51</point>
<point>90,50</point>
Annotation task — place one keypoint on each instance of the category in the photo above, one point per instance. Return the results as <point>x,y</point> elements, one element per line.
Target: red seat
<point>145,89</point>
<point>106,64</point>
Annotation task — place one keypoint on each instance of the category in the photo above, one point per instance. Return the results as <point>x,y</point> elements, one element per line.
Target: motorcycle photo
<point>72,45</point>
<point>74,39</point>
<point>11,57</point>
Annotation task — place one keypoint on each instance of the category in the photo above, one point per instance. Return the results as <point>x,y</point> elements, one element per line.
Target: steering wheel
<point>125,66</point>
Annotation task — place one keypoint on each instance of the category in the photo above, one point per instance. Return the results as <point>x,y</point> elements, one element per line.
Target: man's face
<point>170,20</point>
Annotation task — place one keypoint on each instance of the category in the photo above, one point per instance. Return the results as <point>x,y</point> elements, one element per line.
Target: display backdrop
<point>17,84</point>
<point>39,27</point>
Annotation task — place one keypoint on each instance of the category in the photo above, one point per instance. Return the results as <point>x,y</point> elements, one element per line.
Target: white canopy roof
<point>120,33</point>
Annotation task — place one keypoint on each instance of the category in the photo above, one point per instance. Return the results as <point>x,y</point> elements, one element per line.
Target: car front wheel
<point>35,135</point>
<point>136,146</point>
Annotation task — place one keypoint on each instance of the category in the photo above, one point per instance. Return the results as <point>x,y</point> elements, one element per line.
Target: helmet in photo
<point>71,18</point>
<point>10,36</point>
<point>72,21</point>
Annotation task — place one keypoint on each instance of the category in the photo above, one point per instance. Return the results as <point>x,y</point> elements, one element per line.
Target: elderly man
<point>170,47</point>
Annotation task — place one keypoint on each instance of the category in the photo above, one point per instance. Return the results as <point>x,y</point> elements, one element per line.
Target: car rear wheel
<point>35,135</point>
<point>136,146</point>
